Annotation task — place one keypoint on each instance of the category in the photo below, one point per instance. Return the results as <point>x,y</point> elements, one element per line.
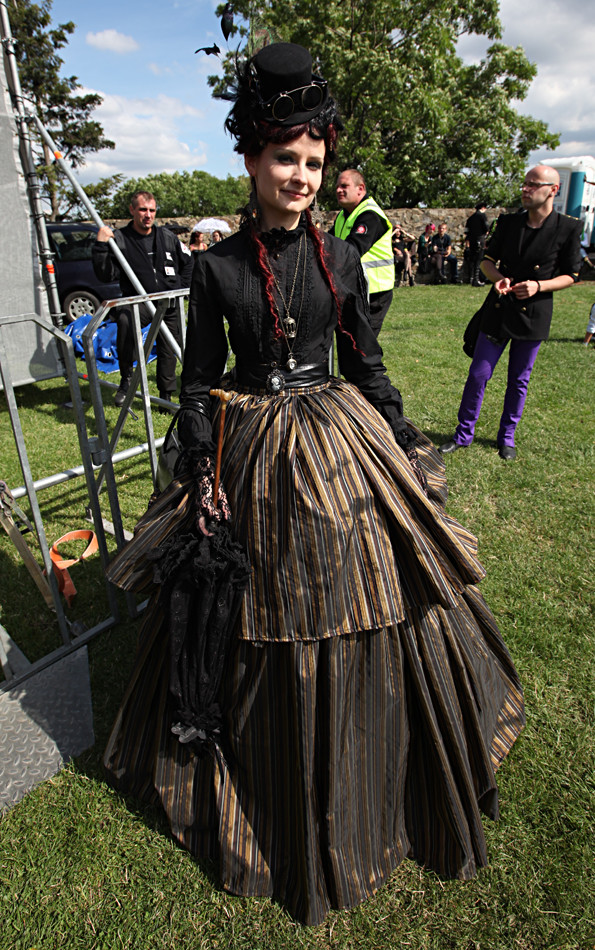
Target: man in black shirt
<point>476,230</point>
<point>528,257</point>
<point>442,254</point>
<point>161,262</point>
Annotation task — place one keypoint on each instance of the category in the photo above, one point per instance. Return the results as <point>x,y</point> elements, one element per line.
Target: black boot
<point>477,281</point>
<point>167,397</point>
<point>123,388</point>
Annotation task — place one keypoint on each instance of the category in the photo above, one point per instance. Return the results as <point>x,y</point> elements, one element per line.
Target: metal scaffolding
<point>46,705</point>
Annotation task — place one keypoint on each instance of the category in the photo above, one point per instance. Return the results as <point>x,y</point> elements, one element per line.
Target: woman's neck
<point>268,222</point>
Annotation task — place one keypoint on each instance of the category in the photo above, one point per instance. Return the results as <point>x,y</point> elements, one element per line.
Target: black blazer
<point>523,253</point>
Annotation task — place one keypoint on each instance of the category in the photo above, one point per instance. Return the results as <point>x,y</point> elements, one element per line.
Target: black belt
<point>275,379</point>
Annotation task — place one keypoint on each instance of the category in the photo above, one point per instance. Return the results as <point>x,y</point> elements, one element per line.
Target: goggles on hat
<point>303,99</point>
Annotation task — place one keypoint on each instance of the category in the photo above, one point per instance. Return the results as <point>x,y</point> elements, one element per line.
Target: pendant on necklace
<point>290,328</point>
<point>275,382</point>
<point>291,363</point>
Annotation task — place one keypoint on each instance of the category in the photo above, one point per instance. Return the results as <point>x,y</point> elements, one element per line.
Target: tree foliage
<point>66,115</point>
<point>100,194</point>
<point>422,125</point>
<point>185,194</point>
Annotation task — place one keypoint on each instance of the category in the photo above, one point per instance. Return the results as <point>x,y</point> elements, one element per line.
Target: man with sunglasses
<point>364,224</point>
<point>528,257</point>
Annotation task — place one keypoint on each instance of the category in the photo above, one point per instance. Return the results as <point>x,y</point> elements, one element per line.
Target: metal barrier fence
<point>98,458</point>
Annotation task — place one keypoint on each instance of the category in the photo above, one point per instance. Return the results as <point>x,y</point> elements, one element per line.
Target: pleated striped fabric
<point>322,497</point>
<point>369,697</point>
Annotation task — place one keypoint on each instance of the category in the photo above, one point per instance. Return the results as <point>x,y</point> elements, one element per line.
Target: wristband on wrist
<point>538,286</point>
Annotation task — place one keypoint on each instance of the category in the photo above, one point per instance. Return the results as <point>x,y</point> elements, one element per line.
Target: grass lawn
<point>82,869</point>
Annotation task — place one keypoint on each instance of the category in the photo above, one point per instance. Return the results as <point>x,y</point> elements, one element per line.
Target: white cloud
<point>158,70</point>
<point>147,136</point>
<point>112,41</point>
<point>559,37</point>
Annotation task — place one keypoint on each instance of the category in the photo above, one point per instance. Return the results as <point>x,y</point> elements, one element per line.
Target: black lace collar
<point>281,237</point>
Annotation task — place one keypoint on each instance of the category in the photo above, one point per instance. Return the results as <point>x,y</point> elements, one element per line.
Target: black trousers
<point>379,304</point>
<point>166,359</point>
<point>474,259</point>
<point>439,262</point>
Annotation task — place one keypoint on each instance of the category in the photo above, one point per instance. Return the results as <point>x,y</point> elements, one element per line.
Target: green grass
<point>82,868</point>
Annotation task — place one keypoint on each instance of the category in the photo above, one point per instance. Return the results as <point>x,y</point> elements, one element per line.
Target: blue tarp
<point>104,343</point>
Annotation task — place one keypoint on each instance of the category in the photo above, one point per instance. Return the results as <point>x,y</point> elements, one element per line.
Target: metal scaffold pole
<point>122,262</point>
<point>33,188</point>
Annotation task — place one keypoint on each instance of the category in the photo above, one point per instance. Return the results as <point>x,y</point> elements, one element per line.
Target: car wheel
<point>79,302</point>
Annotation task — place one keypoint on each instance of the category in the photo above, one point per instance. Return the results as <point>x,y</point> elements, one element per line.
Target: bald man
<point>527,258</point>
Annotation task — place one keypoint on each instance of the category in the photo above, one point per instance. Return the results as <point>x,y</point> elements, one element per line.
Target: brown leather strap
<point>84,534</point>
<point>61,565</point>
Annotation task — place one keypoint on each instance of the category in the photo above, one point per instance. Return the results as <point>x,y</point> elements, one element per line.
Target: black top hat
<point>288,93</point>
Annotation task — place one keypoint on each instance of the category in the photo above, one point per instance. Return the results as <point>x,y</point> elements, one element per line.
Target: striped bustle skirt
<point>369,697</point>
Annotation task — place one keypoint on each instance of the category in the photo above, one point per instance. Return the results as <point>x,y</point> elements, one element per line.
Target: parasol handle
<point>224,397</point>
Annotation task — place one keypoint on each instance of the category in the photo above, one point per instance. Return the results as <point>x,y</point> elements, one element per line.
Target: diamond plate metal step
<point>44,722</point>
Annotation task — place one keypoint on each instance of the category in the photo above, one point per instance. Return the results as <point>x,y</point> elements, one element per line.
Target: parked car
<point>80,291</point>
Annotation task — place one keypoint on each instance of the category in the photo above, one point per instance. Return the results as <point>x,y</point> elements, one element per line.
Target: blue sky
<point>158,107</point>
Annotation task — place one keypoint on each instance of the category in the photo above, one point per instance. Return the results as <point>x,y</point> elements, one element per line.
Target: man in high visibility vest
<point>364,224</point>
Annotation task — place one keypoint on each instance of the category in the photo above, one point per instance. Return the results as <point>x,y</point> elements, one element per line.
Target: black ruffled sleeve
<point>204,360</point>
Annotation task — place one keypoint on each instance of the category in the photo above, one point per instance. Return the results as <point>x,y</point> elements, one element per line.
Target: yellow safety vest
<point>378,262</point>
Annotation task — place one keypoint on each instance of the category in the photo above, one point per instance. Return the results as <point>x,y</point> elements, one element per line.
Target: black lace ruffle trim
<point>202,580</point>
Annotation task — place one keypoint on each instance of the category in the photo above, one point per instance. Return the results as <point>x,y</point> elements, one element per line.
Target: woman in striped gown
<point>368,697</point>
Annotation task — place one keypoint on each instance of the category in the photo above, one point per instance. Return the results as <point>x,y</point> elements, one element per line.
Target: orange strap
<point>61,565</point>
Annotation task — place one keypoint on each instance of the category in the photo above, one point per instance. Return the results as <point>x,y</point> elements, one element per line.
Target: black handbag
<point>472,332</point>
<point>493,304</point>
<point>473,328</point>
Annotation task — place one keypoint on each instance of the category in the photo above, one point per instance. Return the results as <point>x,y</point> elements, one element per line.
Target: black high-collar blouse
<point>227,285</point>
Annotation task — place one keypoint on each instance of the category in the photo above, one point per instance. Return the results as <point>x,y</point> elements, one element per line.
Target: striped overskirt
<point>369,697</point>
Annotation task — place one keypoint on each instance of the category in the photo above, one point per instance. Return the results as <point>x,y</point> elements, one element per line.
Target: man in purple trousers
<point>529,256</point>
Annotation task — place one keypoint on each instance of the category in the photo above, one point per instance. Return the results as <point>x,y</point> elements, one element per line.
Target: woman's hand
<point>503,286</point>
<point>207,510</point>
<point>526,288</point>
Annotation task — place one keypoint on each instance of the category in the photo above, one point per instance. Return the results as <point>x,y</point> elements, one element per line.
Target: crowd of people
<point>434,252</point>
<point>431,254</point>
<point>197,242</point>
<point>387,253</point>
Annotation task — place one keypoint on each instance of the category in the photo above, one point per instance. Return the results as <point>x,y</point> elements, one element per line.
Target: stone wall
<point>412,220</point>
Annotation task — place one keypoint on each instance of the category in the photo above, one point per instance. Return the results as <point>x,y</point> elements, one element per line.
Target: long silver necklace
<point>289,324</point>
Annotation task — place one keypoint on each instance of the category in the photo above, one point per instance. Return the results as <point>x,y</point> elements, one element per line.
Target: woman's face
<point>287,178</point>
<point>217,236</point>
